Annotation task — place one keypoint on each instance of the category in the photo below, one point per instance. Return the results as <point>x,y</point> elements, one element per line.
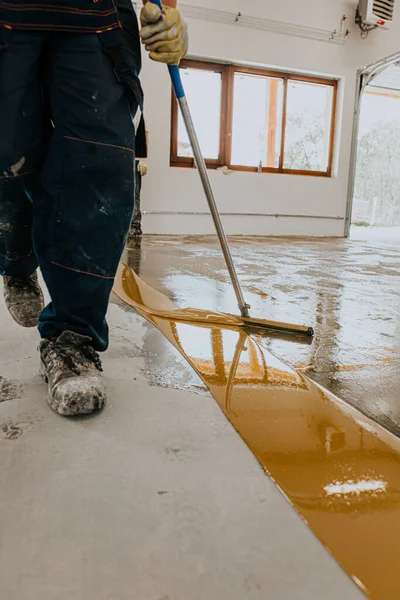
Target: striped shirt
<point>84,16</point>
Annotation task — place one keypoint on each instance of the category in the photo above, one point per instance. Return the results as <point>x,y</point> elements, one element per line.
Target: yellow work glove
<point>142,168</point>
<point>164,33</point>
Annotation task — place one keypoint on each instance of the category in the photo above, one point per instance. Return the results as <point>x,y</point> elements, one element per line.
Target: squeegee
<point>202,169</point>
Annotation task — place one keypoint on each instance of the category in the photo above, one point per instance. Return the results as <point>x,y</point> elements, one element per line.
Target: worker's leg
<point>136,226</point>
<point>83,212</point>
<point>22,143</point>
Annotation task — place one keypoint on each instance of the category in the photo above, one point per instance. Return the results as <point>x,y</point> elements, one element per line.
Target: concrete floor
<point>347,289</point>
<point>157,498</point>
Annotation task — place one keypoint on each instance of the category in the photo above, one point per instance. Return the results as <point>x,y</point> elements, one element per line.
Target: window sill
<point>214,167</point>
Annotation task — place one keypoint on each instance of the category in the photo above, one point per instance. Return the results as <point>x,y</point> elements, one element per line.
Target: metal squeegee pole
<point>201,166</point>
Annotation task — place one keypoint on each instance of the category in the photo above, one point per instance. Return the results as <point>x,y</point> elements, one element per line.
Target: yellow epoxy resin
<point>338,468</point>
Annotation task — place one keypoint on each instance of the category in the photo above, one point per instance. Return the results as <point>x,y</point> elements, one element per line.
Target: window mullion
<point>332,130</point>
<point>174,127</point>
<point>283,134</point>
<point>229,116</point>
<point>224,116</point>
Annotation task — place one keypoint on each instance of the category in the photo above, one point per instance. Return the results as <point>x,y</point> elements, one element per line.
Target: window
<point>203,91</point>
<point>257,120</point>
<point>250,119</point>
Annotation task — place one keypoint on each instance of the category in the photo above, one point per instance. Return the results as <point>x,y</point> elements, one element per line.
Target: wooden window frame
<point>225,148</point>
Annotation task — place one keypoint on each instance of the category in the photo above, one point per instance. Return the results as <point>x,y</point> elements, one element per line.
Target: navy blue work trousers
<point>67,165</point>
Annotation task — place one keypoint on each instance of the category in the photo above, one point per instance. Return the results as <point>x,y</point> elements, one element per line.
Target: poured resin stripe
<point>339,469</point>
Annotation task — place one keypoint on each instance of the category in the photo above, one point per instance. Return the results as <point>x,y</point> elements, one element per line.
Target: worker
<point>140,172</point>
<point>70,122</point>
<point>136,225</point>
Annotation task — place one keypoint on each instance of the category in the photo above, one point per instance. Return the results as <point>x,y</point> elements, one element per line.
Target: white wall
<point>169,189</point>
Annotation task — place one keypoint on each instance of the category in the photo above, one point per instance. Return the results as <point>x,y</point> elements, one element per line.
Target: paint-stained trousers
<point>66,173</point>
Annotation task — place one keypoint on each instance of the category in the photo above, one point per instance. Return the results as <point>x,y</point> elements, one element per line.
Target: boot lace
<point>76,354</point>
<point>24,285</point>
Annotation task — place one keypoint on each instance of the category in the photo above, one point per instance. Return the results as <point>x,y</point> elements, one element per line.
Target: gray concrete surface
<point>157,498</point>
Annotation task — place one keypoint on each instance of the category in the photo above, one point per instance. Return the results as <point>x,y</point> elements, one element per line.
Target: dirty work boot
<point>24,299</point>
<point>72,369</point>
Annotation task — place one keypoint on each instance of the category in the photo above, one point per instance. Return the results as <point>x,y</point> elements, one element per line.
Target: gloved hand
<point>142,168</point>
<point>164,33</point>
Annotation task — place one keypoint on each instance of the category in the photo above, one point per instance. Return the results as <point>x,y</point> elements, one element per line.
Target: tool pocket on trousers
<point>138,118</point>
<point>114,45</point>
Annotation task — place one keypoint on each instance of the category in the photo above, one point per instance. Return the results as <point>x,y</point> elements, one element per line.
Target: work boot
<point>24,299</point>
<point>72,369</point>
